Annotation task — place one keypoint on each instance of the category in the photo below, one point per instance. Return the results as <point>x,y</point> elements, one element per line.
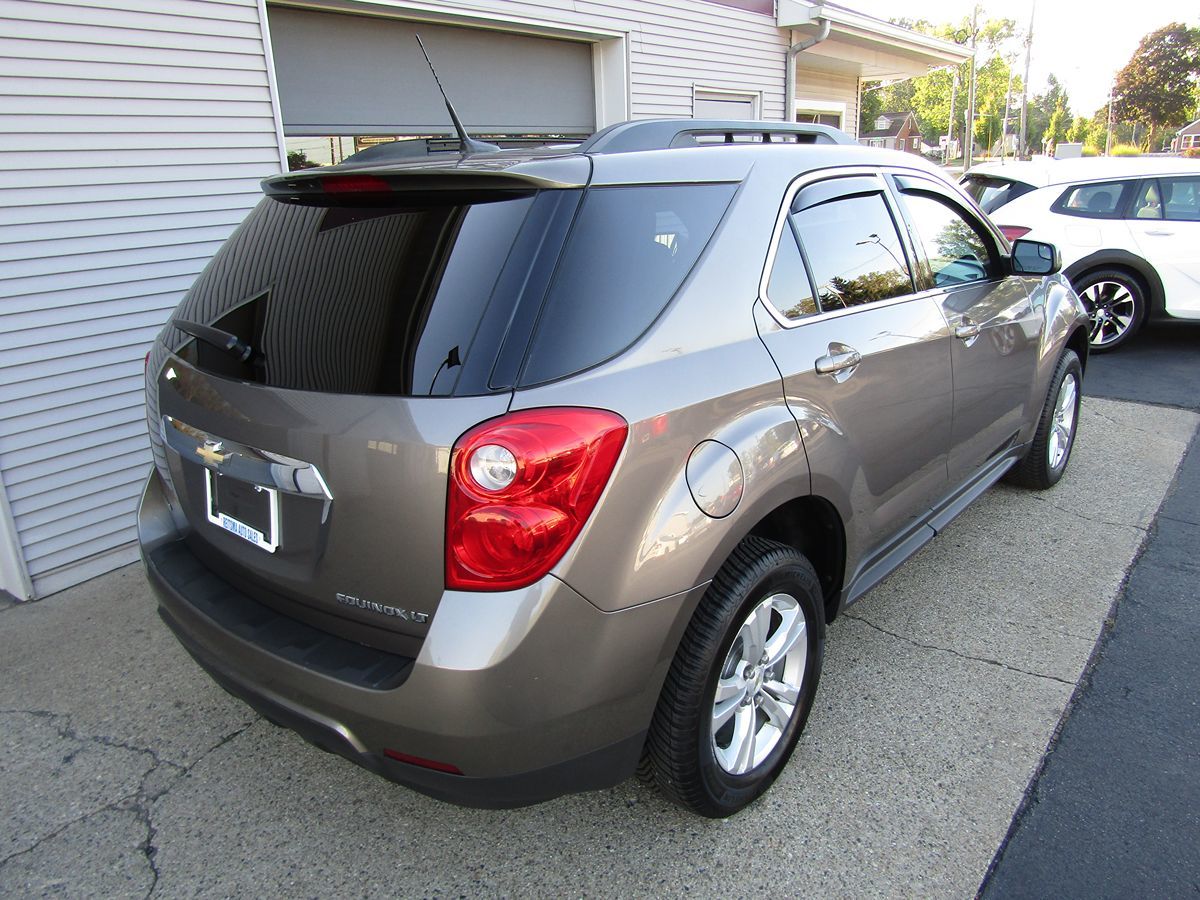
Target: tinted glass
<point>376,300</point>
<point>627,254</point>
<point>992,193</point>
<point>1102,200</point>
<point>1181,198</point>
<point>955,251</point>
<point>854,251</point>
<point>789,289</point>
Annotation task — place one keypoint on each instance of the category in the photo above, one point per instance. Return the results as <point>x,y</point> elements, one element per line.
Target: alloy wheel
<point>1112,308</point>
<point>759,684</point>
<point>1063,422</point>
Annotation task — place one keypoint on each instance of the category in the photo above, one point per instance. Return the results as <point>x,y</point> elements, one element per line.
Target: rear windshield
<point>627,255</point>
<point>368,300</point>
<point>430,299</point>
<point>991,193</point>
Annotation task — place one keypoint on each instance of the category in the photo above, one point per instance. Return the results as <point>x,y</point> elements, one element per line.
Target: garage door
<point>364,75</point>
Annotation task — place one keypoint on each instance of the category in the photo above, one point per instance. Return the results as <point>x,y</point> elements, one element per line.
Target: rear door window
<point>1094,201</point>
<point>854,251</point>
<point>789,289</point>
<point>627,254</point>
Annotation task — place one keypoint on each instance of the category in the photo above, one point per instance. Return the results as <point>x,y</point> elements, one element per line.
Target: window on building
<point>306,152</point>
<point>820,118</point>
<point>711,104</point>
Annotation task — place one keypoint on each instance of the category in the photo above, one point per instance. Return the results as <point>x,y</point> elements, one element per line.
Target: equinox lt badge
<point>407,615</point>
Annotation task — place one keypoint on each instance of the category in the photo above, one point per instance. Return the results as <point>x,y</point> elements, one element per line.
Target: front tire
<point>742,682</point>
<point>1116,305</point>
<point>1047,458</point>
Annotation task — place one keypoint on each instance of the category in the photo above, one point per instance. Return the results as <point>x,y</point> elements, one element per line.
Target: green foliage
<point>1041,110</point>
<point>298,159</point>
<point>1157,87</point>
<point>1126,150</point>
<point>929,96</point>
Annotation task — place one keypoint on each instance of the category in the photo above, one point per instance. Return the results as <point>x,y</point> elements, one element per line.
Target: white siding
<point>133,135</point>
<point>830,87</point>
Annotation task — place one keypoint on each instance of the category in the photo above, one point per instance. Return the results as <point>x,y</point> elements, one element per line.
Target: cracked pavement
<point>126,772</point>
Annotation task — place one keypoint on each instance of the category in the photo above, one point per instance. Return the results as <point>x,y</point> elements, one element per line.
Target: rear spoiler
<point>377,185</point>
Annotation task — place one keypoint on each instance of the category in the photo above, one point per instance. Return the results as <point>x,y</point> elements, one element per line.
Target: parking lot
<point>125,770</point>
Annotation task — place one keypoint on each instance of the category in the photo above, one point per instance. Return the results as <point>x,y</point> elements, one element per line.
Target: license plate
<point>250,511</point>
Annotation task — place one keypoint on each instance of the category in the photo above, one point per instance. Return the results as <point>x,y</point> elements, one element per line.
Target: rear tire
<point>1116,305</point>
<point>742,682</point>
<point>1054,439</point>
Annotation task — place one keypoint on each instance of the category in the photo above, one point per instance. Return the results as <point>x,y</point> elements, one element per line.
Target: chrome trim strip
<point>241,461</point>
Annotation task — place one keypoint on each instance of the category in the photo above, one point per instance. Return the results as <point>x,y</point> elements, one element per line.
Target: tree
<point>1157,87</point>
<point>1041,108</point>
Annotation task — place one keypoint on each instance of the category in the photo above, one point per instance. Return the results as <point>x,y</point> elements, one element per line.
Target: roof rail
<point>662,134</point>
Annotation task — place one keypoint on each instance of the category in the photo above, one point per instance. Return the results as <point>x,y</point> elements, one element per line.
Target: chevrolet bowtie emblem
<point>212,453</point>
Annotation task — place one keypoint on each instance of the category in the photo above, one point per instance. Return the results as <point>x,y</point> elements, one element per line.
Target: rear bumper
<point>530,694</point>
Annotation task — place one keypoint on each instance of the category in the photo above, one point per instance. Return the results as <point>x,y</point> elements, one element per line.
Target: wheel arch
<point>812,525</point>
<point>1078,341</point>
<point>1129,262</point>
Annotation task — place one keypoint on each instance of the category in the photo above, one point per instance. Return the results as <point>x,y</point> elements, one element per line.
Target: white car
<point>1128,230</point>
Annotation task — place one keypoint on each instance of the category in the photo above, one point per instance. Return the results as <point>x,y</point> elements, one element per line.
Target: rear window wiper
<point>215,337</point>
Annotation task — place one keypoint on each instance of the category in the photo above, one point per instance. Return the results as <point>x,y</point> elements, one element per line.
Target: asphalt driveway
<point>124,770</point>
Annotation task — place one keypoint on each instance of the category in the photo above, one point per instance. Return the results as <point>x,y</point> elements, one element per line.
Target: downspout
<point>789,78</point>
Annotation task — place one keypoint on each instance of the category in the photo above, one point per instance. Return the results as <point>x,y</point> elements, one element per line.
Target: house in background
<point>1187,138</point>
<point>135,135</point>
<point>894,131</point>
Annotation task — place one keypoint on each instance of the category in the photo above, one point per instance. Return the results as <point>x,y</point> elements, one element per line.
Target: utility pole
<point>946,157</point>
<point>1004,125</point>
<point>1022,150</point>
<point>970,135</point>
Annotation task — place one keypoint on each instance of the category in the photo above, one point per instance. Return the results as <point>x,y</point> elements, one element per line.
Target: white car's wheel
<point>1116,304</point>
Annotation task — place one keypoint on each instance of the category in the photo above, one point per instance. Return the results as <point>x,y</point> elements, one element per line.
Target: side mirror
<point>1035,258</point>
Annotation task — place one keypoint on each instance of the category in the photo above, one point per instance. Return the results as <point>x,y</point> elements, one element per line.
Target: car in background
<point>1128,231</point>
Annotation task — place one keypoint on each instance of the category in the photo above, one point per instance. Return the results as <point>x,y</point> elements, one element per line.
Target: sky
<point>1083,42</point>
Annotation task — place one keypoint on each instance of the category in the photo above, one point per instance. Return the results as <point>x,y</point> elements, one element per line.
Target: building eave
<point>936,52</point>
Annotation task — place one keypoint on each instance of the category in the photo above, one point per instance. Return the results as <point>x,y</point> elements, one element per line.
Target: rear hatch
<point>362,323</point>
<point>993,191</point>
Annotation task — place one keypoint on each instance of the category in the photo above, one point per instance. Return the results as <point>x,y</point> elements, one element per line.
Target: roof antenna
<point>468,143</point>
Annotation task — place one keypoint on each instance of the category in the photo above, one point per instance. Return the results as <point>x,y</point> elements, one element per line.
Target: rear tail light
<point>1012,232</point>
<point>521,488</point>
<point>355,184</point>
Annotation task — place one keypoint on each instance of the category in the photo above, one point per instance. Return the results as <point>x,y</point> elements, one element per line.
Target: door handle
<point>840,362</point>
<point>1160,233</point>
<point>967,332</point>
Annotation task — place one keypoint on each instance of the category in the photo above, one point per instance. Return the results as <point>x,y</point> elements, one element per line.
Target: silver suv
<point>507,475</point>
